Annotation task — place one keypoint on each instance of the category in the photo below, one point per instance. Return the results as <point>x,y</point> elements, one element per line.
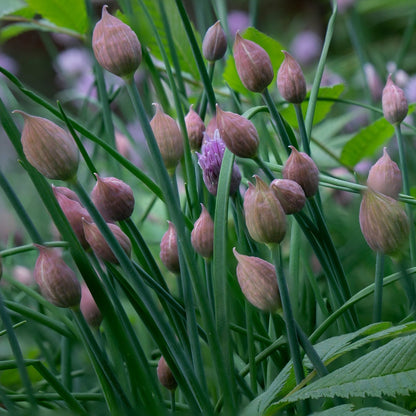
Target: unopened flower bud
<point>383,222</point>
<point>258,282</point>
<point>113,198</point>
<point>195,128</point>
<point>56,280</point>
<point>168,137</point>
<point>74,212</point>
<point>165,375</point>
<point>290,195</point>
<point>290,80</point>
<point>89,308</point>
<point>211,127</point>
<point>238,133</point>
<point>394,102</point>
<point>99,244</point>
<point>49,148</point>
<point>210,160</point>
<point>265,218</point>
<point>116,46</point>
<point>300,167</point>
<point>202,236</point>
<point>253,64</point>
<point>214,44</point>
<point>67,192</point>
<point>169,249</point>
<point>385,176</point>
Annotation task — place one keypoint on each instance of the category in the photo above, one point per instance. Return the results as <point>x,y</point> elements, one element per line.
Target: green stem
<point>302,129</point>
<point>66,362</point>
<point>378,287</point>
<point>204,102</point>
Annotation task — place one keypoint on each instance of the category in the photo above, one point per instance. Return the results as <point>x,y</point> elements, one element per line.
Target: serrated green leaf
<point>322,107</point>
<point>69,14</point>
<point>10,6</point>
<point>348,410</point>
<point>271,46</point>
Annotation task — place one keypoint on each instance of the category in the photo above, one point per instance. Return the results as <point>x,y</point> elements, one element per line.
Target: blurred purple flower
<point>410,89</point>
<point>9,64</point>
<point>373,81</point>
<point>306,47</point>
<point>238,20</point>
<point>344,5</point>
<point>210,160</point>
<point>73,63</point>
<point>330,78</point>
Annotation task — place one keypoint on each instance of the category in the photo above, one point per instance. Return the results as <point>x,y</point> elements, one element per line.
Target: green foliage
<point>348,410</point>
<point>10,6</point>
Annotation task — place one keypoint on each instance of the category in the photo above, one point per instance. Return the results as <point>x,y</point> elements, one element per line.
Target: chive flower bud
<point>202,236</point>
<point>89,308</point>
<point>300,167</point>
<point>253,64</point>
<point>394,102</point>
<point>69,193</point>
<point>168,138</point>
<point>210,160</point>
<point>56,280</point>
<point>214,44</point>
<point>290,80</point>
<point>116,46</point>
<point>113,198</point>
<point>195,128</point>
<point>290,195</point>
<point>211,127</point>
<point>238,133</point>
<point>385,176</point>
<point>169,249</point>
<point>99,244</point>
<point>258,282</point>
<point>49,148</point>
<point>383,222</point>
<point>265,218</point>
<point>165,375</point>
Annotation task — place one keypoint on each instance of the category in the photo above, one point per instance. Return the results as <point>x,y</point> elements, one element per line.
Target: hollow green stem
<point>204,102</point>
<point>378,287</point>
<point>302,129</point>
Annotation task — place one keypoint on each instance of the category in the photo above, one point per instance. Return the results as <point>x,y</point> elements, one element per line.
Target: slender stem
<point>378,288</point>
<point>302,129</point>
<point>251,348</point>
<point>204,102</point>
<point>66,362</point>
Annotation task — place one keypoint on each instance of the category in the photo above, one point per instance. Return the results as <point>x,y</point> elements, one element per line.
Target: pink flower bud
<point>394,103</point>
<point>290,80</point>
<point>211,127</point>
<point>56,280</point>
<point>290,195</point>
<point>165,375</point>
<point>238,133</point>
<point>202,236</point>
<point>169,249</point>
<point>195,128</point>
<point>116,46</point>
<point>89,308</point>
<point>113,198</point>
<point>214,44</point>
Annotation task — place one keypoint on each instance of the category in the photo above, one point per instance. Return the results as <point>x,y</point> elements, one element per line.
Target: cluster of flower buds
<point>202,236</point>
<point>169,253</point>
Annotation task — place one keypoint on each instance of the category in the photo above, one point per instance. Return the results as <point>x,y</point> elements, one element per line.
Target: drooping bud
<point>290,80</point>
<point>195,128</point>
<point>56,280</point>
<point>290,195</point>
<point>89,308</point>
<point>210,160</point>
<point>300,167</point>
<point>49,148</point>
<point>253,64</point>
<point>165,375</point>
<point>99,244</point>
<point>113,198</point>
<point>394,102</point>
<point>74,212</point>
<point>168,137</point>
<point>116,46</point>
<point>385,176</point>
<point>238,133</point>
<point>258,282</point>
<point>214,44</point>
<point>169,249</point>
<point>383,222</point>
<point>265,218</point>
<point>202,236</point>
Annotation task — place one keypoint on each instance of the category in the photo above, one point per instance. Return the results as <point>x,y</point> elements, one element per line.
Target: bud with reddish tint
<point>214,44</point>
<point>290,195</point>
<point>89,308</point>
<point>265,218</point>
<point>258,282</point>
<point>116,46</point>
<point>113,198</point>
<point>385,176</point>
<point>165,375</point>
<point>49,148</point>
<point>238,133</point>
<point>169,249</point>
<point>300,167</point>
<point>195,128</point>
<point>202,236</point>
<point>56,280</point>
<point>253,64</point>
<point>99,244</point>
<point>168,138</point>
<point>394,103</point>
<point>290,80</point>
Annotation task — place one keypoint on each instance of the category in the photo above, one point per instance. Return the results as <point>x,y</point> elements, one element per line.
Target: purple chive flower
<point>306,47</point>
<point>238,20</point>
<point>410,89</point>
<point>210,159</point>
